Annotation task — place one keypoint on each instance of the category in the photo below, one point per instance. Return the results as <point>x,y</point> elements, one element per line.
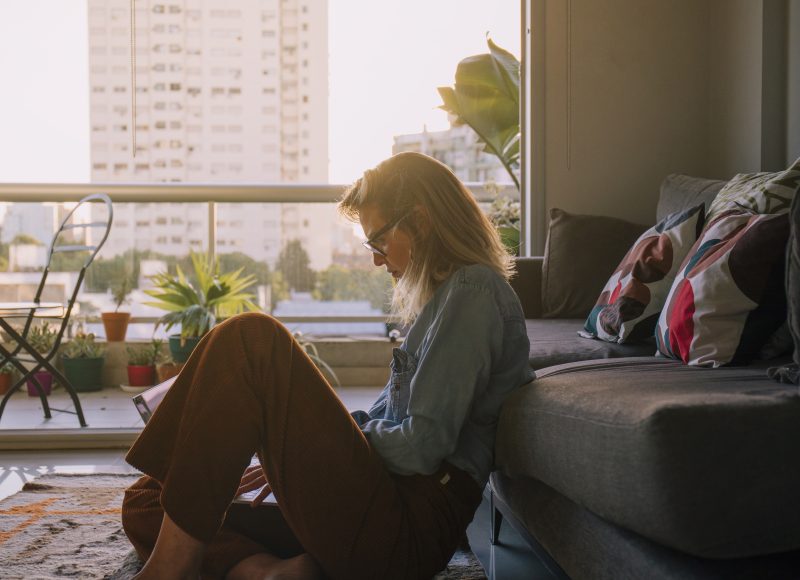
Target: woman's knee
<point>253,325</point>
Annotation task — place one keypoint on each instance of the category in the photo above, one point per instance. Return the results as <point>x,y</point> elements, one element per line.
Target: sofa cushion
<point>555,342</point>
<point>758,192</point>
<point>729,297</point>
<point>701,460</point>
<point>580,254</point>
<point>628,308</point>
<point>680,192</point>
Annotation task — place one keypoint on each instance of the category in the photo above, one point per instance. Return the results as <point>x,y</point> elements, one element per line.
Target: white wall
<point>637,89</point>
<point>733,48</point>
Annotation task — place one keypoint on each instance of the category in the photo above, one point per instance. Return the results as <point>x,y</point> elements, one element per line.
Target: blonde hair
<point>451,232</point>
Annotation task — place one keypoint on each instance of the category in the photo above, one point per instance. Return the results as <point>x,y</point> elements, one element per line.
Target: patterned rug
<point>69,526</point>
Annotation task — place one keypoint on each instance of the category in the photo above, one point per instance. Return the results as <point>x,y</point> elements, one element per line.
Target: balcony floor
<point>111,408</point>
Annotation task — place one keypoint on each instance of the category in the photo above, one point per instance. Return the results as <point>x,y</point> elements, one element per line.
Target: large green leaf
<point>486,97</point>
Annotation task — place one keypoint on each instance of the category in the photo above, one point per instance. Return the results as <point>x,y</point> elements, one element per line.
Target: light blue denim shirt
<point>465,353</point>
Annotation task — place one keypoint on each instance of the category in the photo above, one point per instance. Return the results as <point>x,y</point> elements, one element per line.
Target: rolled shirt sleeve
<point>454,363</point>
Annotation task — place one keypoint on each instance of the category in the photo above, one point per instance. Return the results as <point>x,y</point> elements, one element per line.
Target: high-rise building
<point>459,149</point>
<point>230,91</point>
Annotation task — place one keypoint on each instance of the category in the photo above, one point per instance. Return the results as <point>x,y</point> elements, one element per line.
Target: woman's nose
<point>378,260</point>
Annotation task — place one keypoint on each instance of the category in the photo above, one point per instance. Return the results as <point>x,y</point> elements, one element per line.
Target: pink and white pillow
<point>728,298</point>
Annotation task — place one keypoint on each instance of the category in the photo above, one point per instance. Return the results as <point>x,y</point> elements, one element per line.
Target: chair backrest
<point>91,235</point>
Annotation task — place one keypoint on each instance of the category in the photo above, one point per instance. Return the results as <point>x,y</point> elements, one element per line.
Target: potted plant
<point>313,354</point>
<point>504,215</point>
<point>83,362</point>
<point>142,363</point>
<point>42,338</point>
<point>485,97</point>
<point>7,374</point>
<point>196,305</point>
<point>116,323</point>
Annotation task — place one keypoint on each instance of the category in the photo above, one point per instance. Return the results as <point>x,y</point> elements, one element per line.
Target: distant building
<point>37,220</point>
<point>233,93</point>
<point>458,148</point>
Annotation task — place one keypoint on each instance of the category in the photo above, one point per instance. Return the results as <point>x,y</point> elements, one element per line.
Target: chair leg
<point>73,395</point>
<point>497,520</point>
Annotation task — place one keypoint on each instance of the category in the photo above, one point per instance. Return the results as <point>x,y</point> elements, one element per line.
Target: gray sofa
<point>620,464</point>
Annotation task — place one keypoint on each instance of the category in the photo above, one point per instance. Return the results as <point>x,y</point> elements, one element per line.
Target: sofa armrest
<point>527,283</point>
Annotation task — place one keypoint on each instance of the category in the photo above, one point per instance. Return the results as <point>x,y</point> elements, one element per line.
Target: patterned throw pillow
<point>764,193</point>
<point>628,308</point>
<point>728,298</point>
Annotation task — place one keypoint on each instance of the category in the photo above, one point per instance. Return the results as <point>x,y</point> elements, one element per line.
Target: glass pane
<point>235,92</point>
<point>311,263</point>
<point>240,91</point>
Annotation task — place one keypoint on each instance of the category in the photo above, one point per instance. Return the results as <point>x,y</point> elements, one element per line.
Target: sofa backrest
<point>677,192</point>
<point>680,192</point>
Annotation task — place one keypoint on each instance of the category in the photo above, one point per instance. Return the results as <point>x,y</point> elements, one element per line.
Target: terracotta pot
<point>167,371</point>
<point>45,379</point>
<point>5,383</point>
<point>116,325</point>
<point>141,375</point>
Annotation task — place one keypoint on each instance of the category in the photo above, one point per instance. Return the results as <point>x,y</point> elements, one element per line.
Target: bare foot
<point>267,567</point>
<point>176,555</point>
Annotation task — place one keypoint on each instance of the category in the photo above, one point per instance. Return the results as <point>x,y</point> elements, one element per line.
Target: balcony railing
<point>211,195</point>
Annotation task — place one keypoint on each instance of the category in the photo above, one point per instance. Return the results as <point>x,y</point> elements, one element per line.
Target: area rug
<point>69,526</point>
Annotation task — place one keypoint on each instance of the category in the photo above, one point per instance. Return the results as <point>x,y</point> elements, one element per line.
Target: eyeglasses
<point>370,243</point>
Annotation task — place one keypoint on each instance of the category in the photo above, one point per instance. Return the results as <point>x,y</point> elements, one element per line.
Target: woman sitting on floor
<point>386,493</point>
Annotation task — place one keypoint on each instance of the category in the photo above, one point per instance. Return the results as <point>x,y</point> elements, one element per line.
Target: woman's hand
<point>253,478</point>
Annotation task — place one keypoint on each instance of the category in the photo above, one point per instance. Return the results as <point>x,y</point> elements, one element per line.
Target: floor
<point>511,559</point>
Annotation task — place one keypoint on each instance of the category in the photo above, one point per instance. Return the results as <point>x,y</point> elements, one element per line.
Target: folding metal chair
<point>24,356</point>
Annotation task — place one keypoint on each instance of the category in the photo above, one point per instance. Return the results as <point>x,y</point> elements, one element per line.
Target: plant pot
<point>167,371</point>
<point>45,379</point>
<point>5,382</point>
<point>85,374</point>
<point>116,325</point>
<point>180,352</point>
<point>141,375</point>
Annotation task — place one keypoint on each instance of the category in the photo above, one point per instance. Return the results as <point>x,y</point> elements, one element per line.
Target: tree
<point>293,263</point>
<point>236,260</point>
<point>338,283</point>
<point>279,288</point>
<point>26,239</point>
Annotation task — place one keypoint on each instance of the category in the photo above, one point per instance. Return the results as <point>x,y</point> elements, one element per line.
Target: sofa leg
<point>497,520</point>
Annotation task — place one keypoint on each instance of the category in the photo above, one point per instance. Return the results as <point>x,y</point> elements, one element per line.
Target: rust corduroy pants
<point>250,388</point>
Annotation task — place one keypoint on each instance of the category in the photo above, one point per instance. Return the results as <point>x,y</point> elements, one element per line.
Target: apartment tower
<point>231,91</point>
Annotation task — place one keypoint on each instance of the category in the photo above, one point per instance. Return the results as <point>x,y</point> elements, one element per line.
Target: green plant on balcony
<point>83,346</point>
<point>142,361</point>
<point>7,373</point>
<point>313,354</point>
<point>83,360</point>
<point>197,304</point>
<point>486,98</point>
<point>42,337</point>
<point>145,354</point>
<point>116,323</point>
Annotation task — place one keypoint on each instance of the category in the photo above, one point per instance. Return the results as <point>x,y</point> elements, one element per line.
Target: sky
<point>386,59</point>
